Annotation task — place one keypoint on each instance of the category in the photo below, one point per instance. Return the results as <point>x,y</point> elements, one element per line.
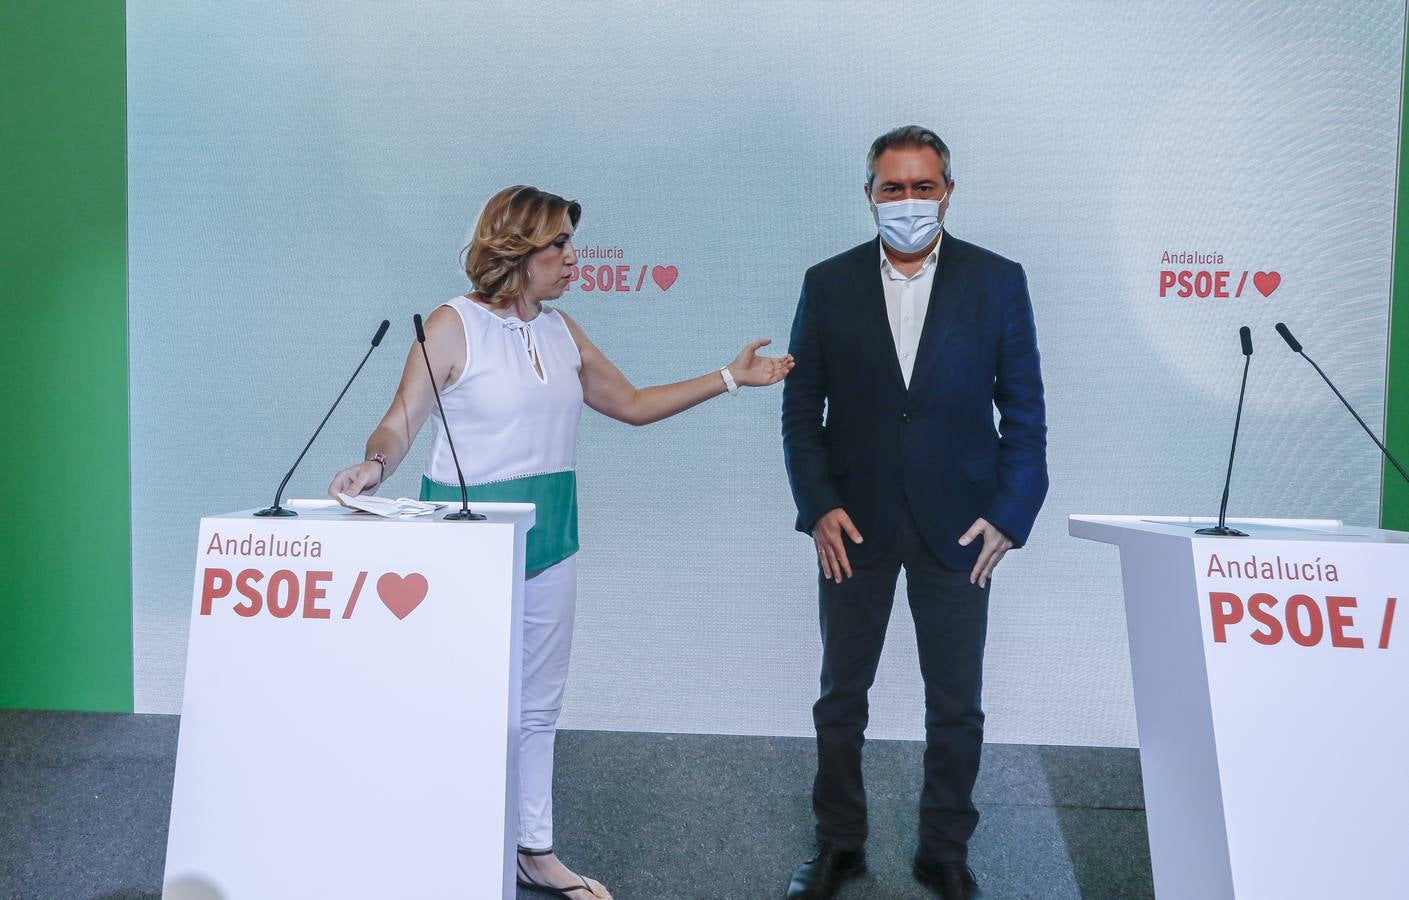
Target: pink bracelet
<point>380,458</point>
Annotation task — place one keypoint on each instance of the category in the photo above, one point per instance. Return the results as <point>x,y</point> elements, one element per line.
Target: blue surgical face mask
<point>909,226</point>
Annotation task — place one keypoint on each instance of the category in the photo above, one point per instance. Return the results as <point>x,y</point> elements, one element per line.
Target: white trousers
<point>549,606</point>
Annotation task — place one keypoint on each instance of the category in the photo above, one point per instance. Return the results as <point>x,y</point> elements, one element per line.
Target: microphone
<point>463,514</point>
<point>280,512</point>
<point>1296,348</point>
<point>1222,529</point>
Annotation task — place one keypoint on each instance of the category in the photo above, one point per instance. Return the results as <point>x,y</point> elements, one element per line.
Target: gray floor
<point>84,799</point>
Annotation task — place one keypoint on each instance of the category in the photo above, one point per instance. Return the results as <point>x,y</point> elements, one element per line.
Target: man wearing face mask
<point>908,342</point>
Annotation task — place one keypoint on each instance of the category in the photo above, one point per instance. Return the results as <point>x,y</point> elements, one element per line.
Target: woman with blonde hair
<point>513,376</point>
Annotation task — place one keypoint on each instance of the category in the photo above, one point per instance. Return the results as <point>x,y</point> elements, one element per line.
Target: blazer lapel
<point>867,274</point>
<point>946,294</point>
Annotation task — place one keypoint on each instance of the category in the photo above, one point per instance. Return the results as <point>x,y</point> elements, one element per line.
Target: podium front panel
<point>1307,683</point>
<point>350,721</point>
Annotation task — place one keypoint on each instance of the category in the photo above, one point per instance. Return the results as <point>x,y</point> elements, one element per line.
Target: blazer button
<point>905,417</point>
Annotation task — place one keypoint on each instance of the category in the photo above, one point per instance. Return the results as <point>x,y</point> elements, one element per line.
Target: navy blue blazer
<point>935,444</point>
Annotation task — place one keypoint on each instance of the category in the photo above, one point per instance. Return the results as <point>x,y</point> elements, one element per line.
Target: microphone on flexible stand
<point>1222,529</point>
<point>280,512</point>
<point>463,514</point>
<point>1296,348</point>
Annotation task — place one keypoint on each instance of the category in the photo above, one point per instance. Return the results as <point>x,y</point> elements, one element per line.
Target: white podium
<point>350,722</point>
<point>1272,700</point>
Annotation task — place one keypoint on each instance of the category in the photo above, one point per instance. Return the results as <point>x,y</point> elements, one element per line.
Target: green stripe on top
<point>553,537</point>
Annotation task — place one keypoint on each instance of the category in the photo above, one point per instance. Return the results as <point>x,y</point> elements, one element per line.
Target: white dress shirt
<point>907,301</point>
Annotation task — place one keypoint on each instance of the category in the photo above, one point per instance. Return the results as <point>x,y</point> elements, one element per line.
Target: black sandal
<point>525,882</point>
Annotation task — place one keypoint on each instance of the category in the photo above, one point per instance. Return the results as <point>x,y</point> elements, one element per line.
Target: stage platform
<point>84,800</point>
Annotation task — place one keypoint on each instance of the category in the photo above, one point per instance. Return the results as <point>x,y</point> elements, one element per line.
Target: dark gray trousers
<point>951,622</point>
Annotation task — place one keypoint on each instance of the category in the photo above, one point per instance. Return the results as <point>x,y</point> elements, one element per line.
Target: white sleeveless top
<point>507,421</point>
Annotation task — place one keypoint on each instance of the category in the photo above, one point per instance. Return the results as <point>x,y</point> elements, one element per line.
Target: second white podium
<point>1272,700</point>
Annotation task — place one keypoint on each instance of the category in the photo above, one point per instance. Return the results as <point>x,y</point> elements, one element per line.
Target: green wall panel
<point>1394,499</point>
<point>65,539</point>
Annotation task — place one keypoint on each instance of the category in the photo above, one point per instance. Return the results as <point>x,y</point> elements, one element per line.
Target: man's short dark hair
<point>907,136</point>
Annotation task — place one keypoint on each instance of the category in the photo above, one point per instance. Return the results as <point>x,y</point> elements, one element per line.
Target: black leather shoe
<point>821,876</point>
<point>950,880</point>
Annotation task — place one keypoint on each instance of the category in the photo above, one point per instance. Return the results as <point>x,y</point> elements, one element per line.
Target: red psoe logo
<point>1215,284</point>
<point>286,593</point>
<point>605,270</point>
<point>1303,620</point>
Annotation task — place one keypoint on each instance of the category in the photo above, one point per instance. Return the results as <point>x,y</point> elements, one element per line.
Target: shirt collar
<point>890,271</point>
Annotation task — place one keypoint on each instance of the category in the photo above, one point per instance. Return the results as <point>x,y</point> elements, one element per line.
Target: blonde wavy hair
<point>516,222</point>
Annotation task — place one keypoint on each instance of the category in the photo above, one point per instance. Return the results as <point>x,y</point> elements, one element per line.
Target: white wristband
<point>729,381</point>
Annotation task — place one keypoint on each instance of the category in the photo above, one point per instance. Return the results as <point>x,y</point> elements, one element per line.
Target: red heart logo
<point>664,276</point>
<point>402,595</point>
<point>1266,282</point>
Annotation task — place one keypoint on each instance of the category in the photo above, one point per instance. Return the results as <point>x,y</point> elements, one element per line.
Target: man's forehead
<point>907,177</point>
<point>908,163</point>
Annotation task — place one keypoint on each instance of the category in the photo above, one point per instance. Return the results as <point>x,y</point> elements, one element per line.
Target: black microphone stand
<point>280,512</point>
<point>463,514</point>
<point>1222,529</point>
<point>1296,348</point>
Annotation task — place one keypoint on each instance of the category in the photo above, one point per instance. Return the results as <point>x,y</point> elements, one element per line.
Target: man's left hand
<point>995,544</point>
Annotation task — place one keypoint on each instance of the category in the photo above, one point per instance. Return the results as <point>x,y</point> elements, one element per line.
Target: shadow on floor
<point>1100,806</point>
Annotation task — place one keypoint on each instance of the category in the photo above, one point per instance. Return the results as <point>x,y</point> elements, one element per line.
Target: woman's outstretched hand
<point>362,478</point>
<point>751,370</point>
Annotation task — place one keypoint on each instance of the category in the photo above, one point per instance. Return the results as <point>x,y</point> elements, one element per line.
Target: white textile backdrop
<point>297,172</point>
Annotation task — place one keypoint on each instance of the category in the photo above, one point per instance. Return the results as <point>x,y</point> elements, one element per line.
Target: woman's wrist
<point>731,384</point>
<point>380,459</point>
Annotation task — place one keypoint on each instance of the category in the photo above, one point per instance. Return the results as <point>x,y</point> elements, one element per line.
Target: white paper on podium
<point>399,508</point>
<point>351,708</point>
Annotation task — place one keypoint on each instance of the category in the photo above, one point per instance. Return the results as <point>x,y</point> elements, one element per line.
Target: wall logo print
<point>606,270</point>
<point>1194,275</point>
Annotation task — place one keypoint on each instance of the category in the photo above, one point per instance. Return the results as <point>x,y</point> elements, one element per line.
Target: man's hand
<point>831,550</point>
<point>995,544</point>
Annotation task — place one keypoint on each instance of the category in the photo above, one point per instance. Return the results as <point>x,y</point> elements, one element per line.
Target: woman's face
<point>550,269</point>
